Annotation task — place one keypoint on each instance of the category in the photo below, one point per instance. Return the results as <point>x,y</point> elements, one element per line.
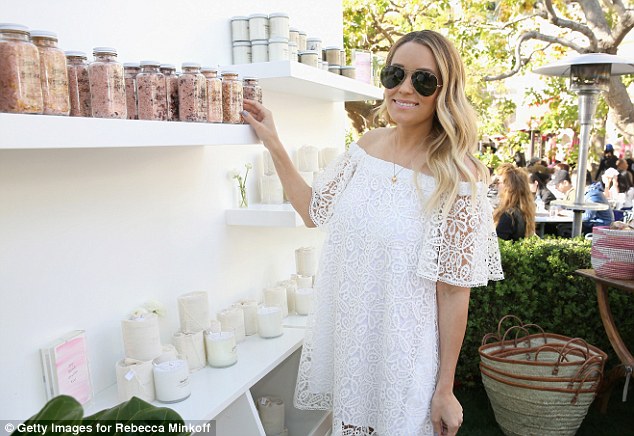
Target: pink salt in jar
<point>231,98</point>
<point>107,85</point>
<point>53,73</point>
<point>192,94</point>
<point>78,84</point>
<point>214,95</point>
<point>130,71</point>
<point>171,87</point>
<point>20,87</point>
<point>151,92</point>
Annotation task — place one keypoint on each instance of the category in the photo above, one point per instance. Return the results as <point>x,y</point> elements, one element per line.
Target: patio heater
<point>589,75</point>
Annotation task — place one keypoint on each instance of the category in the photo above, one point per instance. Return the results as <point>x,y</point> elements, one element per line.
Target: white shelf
<point>215,389</point>
<point>298,79</point>
<point>21,131</point>
<point>295,321</point>
<point>264,215</point>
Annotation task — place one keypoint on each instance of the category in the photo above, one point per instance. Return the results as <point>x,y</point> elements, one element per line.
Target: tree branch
<point>569,24</point>
<point>519,62</point>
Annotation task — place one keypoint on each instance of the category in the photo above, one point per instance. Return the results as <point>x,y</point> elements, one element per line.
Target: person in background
<point>607,161</point>
<point>514,216</point>
<point>409,233</point>
<point>591,218</point>
<point>630,162</point>
<point>561,182</point>
<point>538,182</point>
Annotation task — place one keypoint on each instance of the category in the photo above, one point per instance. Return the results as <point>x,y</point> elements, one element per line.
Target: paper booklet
<point>65,367</point>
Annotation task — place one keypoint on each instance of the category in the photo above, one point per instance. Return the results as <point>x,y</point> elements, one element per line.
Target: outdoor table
<point>624,370</point>
<point>542,218</point>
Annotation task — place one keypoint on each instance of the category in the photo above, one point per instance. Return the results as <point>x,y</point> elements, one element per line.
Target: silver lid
<point>168,66</point>
<point>104,50</point>
<point>75,54</point>
<point>239,18</point>
<point>43,34</point>
<point>209,69</point>
<point>12,27</point>
<point>150,63</point>
<point>258,16</point>
<point>313,38</point>
<point>278,14</point>
<point>190,65</point>
<point>308,52</point>
<point>260,42</point>
<point>131,65</point>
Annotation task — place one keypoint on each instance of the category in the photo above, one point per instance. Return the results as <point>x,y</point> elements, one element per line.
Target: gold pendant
<point>394,179</point>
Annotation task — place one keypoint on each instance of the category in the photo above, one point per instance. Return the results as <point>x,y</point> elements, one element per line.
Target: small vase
<point>242,199</point>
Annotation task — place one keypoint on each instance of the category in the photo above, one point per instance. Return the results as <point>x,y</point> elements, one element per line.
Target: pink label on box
<point>71,362</point>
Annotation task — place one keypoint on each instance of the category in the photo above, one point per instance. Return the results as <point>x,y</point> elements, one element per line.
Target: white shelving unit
<point>224,394</point>
<point>294,78</point>
<point>264,215</point>
<point>21,131</point>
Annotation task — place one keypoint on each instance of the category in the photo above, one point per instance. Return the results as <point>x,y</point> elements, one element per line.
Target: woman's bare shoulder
<point>371,138</point>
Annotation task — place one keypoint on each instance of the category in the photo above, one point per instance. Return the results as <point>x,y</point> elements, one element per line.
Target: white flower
<point>248,165</point>
<point>233,174</point>
<point>139,312</point>
<point>155,307</point>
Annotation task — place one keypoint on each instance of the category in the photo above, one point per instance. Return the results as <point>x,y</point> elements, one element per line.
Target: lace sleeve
<point>328,185</point>
<point>463,249</point>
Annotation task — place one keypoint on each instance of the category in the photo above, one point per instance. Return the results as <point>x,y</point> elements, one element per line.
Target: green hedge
<point>541,287</point>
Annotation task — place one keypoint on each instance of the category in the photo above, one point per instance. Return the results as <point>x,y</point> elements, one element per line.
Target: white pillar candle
<point>271,191</point>
<point>304,301</point>
<point>171,381</point>
<point>135,379</point>
<point>327,155</point>
<point>270,322</point>
<point>250,311</point>
<point>271,411</point>
<point>141,337</point>
<point>193,311</point>
<point>308,158</point>
<point>268,167</point>
<point>306,261</point>
<point>291,287</point>
<point>304,282</point>
<point>232,320</point>
<point>192,347</point>
<point>276,296</point>
<point>221,349</point>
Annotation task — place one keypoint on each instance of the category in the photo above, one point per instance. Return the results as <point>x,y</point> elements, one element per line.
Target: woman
<point>538,179</point>
<point>410,231</point>
<point>514,216</point>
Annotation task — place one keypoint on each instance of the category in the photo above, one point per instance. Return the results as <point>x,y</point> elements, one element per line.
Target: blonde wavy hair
<point>454,136</point>
<point>516,195</point>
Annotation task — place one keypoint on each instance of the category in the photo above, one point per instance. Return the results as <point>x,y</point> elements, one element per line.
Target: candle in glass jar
<point>303,300</point>
<point>304,282</point>
<point>276,296</point>
<point>270,322</point>
<point>221,349</point>
<point>171,381</point>
<point>306,261</point>
<point>291,288</point>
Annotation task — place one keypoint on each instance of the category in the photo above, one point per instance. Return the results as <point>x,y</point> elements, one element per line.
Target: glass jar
<point>231,98</point>
<point>314,44</point>
<point>349,71</point>
<point>278,49</point>
<point>130,71</point>
<point>292,51</point>
<point>251,89</point>
<point>309,57</point>
<point>214,95</point>
<point>107,85</point>
<point>332,55</point>
<point>78,84</point>
<point>171,90</point>
<point>192,94</point>
<point>278,25</point>
<point>293,35</point>
<point>53,73</point>
<point>151,92</point>
<point>20,87</point>
<point>301,41</point>
<point>258,26</point>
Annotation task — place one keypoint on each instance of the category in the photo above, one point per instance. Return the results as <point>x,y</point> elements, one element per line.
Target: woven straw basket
<point>539,384</point>
<point>612,254</point>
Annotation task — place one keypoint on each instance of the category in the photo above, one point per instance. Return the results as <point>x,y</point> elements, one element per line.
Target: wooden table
<point>542,218</point>
<point>619,346</point>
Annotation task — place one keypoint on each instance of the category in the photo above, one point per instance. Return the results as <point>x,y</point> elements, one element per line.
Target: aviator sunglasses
<point>424,82</point>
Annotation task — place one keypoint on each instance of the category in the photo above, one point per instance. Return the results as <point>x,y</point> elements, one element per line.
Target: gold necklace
<point>396,173</point>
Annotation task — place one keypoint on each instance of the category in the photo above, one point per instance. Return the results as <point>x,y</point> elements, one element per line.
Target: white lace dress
<point>371,349</point>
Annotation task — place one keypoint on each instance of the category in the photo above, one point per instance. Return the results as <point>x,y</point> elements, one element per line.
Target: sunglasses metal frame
<point>411,73</point>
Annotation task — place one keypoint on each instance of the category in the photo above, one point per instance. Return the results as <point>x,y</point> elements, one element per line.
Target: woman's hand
<point>261,119</point>
<point>446,413</point>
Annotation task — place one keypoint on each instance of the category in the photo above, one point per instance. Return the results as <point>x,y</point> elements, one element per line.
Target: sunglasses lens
<point>424,82</point>
<point>392,76</point>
